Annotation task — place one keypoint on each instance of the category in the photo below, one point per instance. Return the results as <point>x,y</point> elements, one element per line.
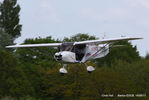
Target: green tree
<point>12,79</point>
<point>147,56</point>
<point>5,39</point>
<point>79,37</point>
<point>9,18</point>
<point>79,85</point>
<point>36,75</point>
<point>35,61</point>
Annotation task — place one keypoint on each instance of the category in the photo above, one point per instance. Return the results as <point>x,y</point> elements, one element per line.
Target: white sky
<point>64,18</point>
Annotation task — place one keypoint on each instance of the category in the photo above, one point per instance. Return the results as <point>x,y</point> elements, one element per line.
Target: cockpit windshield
<point>67,46</point>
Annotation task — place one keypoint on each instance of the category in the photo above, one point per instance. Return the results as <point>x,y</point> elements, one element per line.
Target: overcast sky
<point>64,18</point>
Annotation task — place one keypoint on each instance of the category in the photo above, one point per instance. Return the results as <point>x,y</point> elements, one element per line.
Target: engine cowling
<point>58,56</point>
<point>65,56</point>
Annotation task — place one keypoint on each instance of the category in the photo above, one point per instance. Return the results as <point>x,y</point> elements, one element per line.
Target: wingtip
<point>6,46</point>
<point>139,38</point>
<point>135,38</point>
<point>11,46</point>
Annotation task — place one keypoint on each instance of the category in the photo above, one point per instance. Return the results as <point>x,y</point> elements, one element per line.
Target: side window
<point>67,47</point>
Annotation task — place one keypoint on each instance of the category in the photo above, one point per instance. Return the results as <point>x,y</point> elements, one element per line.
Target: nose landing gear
<point>63,70</point>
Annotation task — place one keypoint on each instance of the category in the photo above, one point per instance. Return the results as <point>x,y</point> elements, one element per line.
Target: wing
<point>103,41</point>
<point>35,45</point>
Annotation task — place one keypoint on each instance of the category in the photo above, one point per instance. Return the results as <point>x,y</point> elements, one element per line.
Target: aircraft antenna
<point>104,35</point>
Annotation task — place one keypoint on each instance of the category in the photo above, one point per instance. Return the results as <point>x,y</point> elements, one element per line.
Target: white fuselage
<point>65,57</point>
<point>91,52</point>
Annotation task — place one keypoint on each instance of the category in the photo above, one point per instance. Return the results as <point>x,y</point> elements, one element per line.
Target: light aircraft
<point>79,52</point>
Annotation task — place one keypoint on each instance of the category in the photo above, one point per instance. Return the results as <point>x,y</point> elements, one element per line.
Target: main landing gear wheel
<point>90,69</point>
<point>63,71</point>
